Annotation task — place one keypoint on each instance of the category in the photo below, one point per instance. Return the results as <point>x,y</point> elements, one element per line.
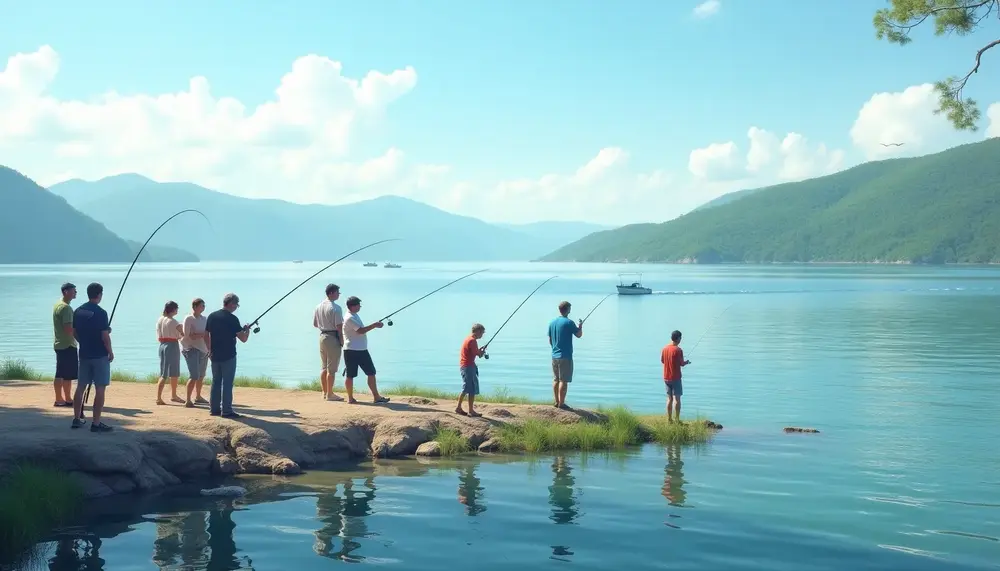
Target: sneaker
<point>215,413</point>
<point>78,423</point>
<point>100,427</point>
<point>232,415</point>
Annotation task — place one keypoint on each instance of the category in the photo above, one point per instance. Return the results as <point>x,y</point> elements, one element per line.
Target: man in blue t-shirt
<point>93,334</point>
<point>222,329</point>
<point>561,332</point>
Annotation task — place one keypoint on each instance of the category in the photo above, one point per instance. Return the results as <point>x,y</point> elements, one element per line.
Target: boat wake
<point>787,291</point>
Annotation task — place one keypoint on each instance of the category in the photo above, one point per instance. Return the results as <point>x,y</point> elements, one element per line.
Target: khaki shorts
<point>330,352</point>
<point>562,370</point>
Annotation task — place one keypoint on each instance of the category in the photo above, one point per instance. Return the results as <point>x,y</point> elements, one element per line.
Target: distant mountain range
<point>245,229</point>
<point>934,209</point>
<point>37,227</point>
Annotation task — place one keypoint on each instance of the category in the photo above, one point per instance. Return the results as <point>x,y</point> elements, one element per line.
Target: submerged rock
<point>230,491</point>
<point>431,448</point>
<point>490,446</point>
<point>790,429</point>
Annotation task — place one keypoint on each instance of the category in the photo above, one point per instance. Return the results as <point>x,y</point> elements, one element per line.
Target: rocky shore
<point>282,432</point>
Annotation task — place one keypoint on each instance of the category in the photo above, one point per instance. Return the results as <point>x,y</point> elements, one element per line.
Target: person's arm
<point>340,328</point>
<point>680,357</point>
<point>106,338</point>
<point>367,328</point>
<point>579,329</point>
<point>661,356</point>
<point>316,319</point>
<point>242,331</point>
<point>67,321</point>
<point>180,330</point>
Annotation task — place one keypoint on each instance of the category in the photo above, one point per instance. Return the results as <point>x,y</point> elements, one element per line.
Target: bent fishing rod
<point>387,319</point>
<point>86,395</point>
<point>710,326</point>
<point>595,308</point>
<point>139,253</point>
<point>326,267</point>
<point>487,355</point>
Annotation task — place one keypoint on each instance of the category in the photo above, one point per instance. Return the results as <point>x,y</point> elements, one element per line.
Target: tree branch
<point>905,28</point>
<point>979,56</point>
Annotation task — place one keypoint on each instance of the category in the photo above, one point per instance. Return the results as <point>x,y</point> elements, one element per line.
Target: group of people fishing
<point>84,353</point>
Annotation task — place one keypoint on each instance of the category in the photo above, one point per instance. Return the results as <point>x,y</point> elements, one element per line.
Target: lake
<point>896,366</point>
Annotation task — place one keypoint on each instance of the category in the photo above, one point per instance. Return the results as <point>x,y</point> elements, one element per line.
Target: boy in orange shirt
<point>672,358</point>
<point>469,370</point>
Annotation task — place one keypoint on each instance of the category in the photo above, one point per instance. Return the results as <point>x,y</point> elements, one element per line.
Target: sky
<point>515,111</point>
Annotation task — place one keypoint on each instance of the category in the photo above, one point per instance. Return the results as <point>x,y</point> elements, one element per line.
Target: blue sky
<point>518,89</point>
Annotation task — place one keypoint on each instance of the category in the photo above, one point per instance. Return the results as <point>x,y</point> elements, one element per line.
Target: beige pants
<point>330,352</point>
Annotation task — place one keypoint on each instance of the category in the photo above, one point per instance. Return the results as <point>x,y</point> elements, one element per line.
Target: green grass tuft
<point>451,441</point>
<point>33,500</point>
<point>17,370</point>
<point>684,432</point>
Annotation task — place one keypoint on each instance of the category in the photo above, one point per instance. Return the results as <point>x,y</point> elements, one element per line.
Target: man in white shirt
<point>356,351</point>
<point>329,319</point>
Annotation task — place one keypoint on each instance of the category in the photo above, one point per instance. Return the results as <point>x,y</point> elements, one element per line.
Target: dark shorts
<point>674,388</point>
<point>355,360</point>
<point>67,364</point>
<point>470,380</point>
<point>562,370</point>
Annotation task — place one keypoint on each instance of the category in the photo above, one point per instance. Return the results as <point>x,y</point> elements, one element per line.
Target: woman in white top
<point>168,332</point>
<point>195,351</point>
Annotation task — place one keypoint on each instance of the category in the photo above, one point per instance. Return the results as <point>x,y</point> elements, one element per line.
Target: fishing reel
<point>388,322</point>
<point>256,329</point>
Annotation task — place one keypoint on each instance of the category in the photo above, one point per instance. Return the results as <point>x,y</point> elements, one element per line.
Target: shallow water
<point>898,367</point>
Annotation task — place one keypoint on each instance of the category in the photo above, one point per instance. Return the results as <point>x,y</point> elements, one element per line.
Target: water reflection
<point>470,490</point>
<point>77,554</point>
<point>343,518</point>
<point>673,478</point>
<point>562,498</point>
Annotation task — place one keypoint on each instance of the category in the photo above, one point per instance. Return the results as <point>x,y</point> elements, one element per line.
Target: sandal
<point>461,412</point>
<point>381,400</point>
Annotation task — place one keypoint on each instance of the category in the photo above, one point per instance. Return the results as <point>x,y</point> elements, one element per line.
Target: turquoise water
<point>898,367</point>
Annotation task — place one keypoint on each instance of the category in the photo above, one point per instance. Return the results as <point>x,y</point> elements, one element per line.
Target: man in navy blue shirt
<point>221,332</point>
<point>561,332</point>
<point>93,334</point>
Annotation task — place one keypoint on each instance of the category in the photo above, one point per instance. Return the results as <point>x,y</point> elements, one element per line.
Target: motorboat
<point>634,288</point>
<point>371,265</point>
<point>391,265</point>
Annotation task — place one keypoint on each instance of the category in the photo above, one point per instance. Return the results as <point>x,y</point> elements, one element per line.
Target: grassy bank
<point>618,428</point>
<point>33,500</point>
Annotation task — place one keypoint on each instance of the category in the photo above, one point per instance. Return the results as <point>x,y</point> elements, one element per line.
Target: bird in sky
<point>892,144</point>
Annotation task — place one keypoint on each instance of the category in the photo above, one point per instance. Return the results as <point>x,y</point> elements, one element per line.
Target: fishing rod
<point>389,321</point>
<point>86,394</point>
<point>485,354</point>
<point>595,308</point>
<point>139,253</point>
<point>256,321</point>
<point>710,326</point>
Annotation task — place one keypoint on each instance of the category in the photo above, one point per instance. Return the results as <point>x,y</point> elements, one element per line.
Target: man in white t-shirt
<point>195,351</point>
<point>356,351</point>
<point>329,319</point>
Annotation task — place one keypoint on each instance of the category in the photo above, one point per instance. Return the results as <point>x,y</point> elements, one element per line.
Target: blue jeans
<point>96,371</point>
<point>223,374</point>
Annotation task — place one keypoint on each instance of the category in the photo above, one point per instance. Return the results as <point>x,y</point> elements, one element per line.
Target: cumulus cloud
<point>707,9</point>
<point>904,117</point>
<point>993,115</point>
<point>768,159</point>
<point>294,146</point>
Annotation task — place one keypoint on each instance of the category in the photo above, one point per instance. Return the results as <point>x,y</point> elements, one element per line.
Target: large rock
<point>431,448</point>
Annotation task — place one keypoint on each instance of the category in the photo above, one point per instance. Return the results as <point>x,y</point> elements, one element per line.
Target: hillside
<point>727,198</point>
<point>270,230</point>
<point>38,227</point>
<point>940,208</point>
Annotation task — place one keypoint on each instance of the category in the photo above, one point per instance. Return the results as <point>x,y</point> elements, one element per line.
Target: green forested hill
<point>941,208</point>
<point>38,227</point>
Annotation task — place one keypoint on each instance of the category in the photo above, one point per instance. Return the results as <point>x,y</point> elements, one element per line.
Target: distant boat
<point>296,261</point>
<point>391,265</point>
<point>371,265</point>
<point>634,288</point>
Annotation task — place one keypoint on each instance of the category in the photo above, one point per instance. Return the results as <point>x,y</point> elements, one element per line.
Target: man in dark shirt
<point>221,332</point>
<point>93,334</point>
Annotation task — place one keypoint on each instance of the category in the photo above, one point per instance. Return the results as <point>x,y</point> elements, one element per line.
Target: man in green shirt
<point>67,360</point>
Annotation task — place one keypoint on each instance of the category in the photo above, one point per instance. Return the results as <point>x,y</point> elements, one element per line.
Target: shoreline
<point>287,431</point>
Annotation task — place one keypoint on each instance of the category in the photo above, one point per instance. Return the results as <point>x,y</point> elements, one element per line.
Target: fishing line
<point>389,321</point>
<point>710,326</point>
<point>256,321</point>
<point>86,395</point>
<point>485,354</point>
<point>584,320</point>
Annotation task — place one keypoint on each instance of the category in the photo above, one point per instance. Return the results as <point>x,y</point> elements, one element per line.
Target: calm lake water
<point>898,367</point>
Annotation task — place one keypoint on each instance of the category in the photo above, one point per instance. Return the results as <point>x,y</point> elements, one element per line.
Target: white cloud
<point>904,117</point>
<point>993,114</point>
<point>767,160</point>
<point>707,9</point>
<point>294,146</point>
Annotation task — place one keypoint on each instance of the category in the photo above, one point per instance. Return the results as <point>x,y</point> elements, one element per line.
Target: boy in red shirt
<point>672,358</point>
<point>469,370</point>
